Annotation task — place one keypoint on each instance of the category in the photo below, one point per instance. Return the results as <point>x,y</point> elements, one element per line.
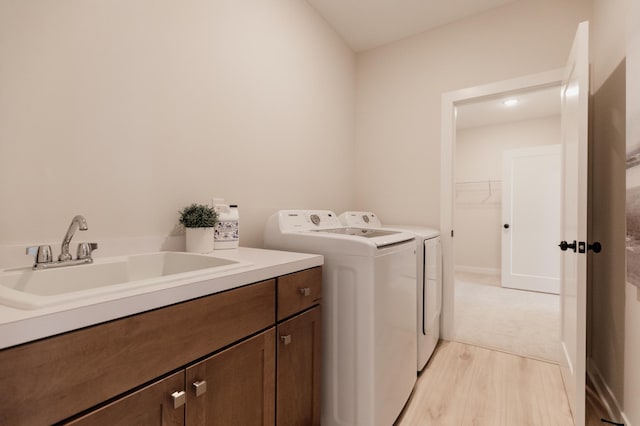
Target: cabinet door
<point>236,386</point>
<point>298,384</point>
<point>152,405</point>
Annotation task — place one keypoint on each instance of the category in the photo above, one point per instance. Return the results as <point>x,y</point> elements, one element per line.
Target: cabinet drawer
<point>51,379</point>
<point>299,291</point>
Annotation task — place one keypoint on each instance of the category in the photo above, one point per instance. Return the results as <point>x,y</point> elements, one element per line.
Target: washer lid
<point>381,238</point>
<point>320,228</point>
<point>360,232</point>
<point>370,220</point>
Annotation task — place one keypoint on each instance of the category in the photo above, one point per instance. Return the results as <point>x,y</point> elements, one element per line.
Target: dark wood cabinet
<point>233,387</point>
<point>299,362</point>
<point>153,368</point>
<point>55,378</point>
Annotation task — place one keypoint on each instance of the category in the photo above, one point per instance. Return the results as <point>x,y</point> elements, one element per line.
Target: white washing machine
<point>368,313</point>
<point>429,278</point>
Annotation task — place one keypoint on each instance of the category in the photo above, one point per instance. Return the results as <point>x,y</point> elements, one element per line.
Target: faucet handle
<point>42,254</point>
<point>85,250</point>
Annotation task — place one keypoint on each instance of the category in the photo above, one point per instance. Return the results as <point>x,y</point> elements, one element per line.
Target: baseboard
<point>477,270</point>
<point>606,396</point>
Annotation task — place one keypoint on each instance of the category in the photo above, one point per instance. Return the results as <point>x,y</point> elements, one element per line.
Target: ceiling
<point>537,103</point>
<point>365,24</point>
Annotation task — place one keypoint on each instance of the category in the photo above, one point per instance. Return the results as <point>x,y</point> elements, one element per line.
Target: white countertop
<point>19,326</point>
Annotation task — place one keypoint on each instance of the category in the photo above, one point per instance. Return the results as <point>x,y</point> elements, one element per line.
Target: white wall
<point>126,111</point>
<point>478,156</point>
<point>400,86</point>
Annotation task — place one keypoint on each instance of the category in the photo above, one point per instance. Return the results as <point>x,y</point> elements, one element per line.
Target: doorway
<point>574,79</point>
<point>507,214</point>
<point>450,102</point>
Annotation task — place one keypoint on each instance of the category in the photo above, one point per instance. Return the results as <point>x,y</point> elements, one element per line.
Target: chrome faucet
<point>44,259</point>
<point>78,222</point>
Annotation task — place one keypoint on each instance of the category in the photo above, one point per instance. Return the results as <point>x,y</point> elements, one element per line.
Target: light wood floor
<point>468,385</point>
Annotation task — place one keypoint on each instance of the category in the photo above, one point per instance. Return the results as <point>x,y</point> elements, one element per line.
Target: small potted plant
<point>199,221</point>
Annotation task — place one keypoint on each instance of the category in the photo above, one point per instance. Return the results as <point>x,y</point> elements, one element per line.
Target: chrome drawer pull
<point>306,291</point>
<point>200,387</point>
<point>179,398</point>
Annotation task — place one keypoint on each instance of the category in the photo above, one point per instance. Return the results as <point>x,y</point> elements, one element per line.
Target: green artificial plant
<point>198,216</point>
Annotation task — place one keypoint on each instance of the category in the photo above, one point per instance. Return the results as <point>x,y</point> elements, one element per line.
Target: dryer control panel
<point>360,219</point>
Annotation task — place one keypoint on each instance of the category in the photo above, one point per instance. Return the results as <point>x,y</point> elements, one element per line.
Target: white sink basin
<point>25,288</point>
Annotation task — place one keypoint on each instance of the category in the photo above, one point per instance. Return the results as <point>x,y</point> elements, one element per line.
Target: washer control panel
<point>303,220</point>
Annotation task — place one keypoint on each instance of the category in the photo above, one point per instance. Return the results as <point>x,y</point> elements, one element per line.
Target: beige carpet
<point>520,322</point>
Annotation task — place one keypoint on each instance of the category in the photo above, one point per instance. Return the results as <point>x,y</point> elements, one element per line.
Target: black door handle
<point>506,226</point>
<point>565,245</point>
<point>596,247</point>
<point>583,247</point>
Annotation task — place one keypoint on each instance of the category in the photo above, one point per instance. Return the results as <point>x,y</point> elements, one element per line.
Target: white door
<point>531,180</point>
<point>574,110</point>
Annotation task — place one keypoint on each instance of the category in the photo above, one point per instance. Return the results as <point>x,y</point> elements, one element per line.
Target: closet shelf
<point>479,191</point>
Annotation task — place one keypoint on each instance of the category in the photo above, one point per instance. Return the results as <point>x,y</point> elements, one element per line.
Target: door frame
<point>447,172</point>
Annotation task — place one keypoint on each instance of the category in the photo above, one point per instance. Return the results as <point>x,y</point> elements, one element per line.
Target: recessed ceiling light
<point>511,102</point>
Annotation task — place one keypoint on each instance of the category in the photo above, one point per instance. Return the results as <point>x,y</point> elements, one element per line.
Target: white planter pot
<point>199,240</point>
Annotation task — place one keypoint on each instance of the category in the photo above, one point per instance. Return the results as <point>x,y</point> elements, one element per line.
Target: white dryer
<point>368,313</point>
<point>429,278</point>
